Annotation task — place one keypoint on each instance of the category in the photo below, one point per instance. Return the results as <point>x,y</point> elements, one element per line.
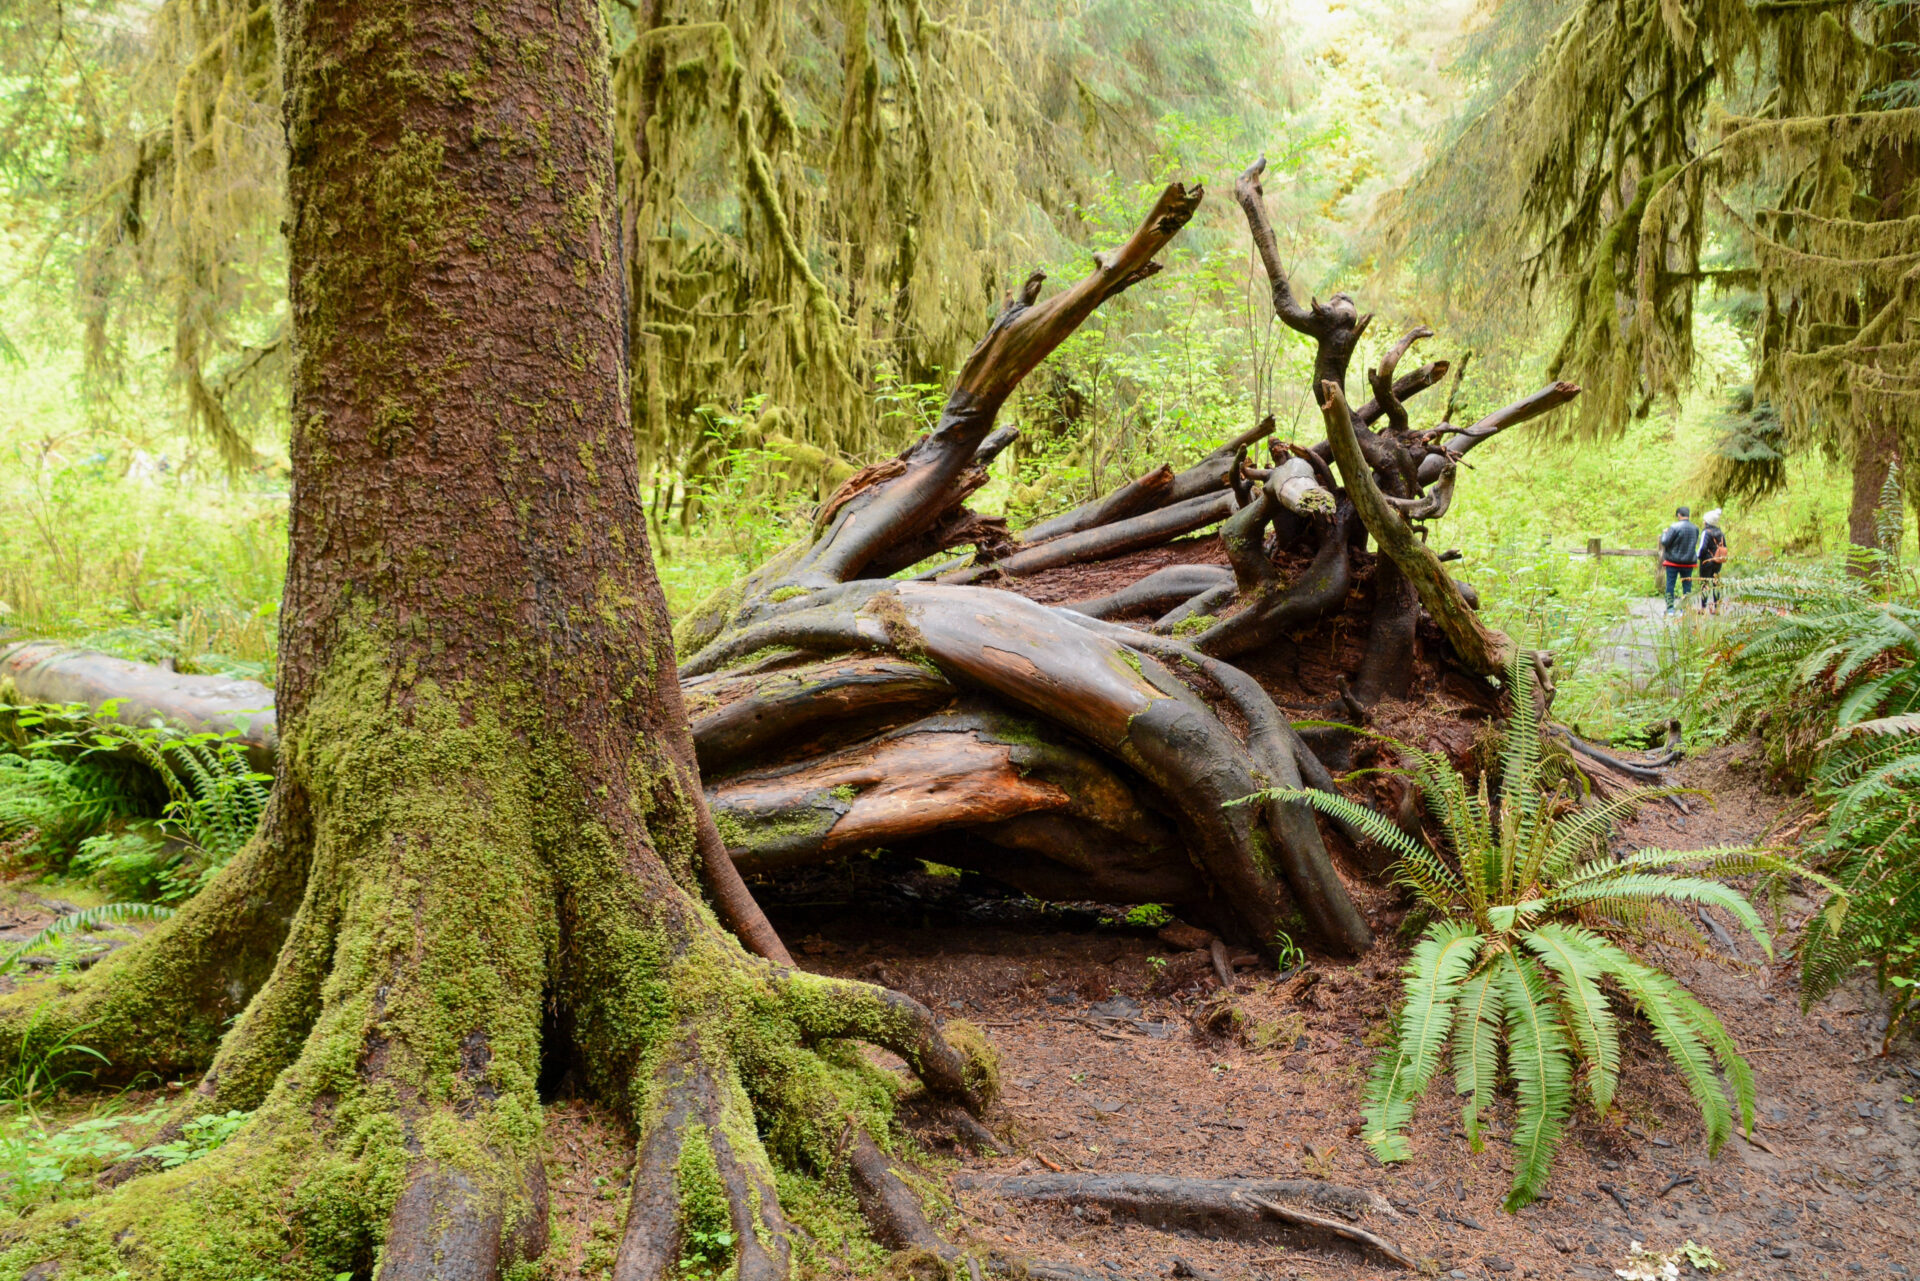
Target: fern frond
<point>84,922</point>
<point>1477,1025</point>
<point>1675,1027</point>
<point>1539,1058</point>
<point>1599,895</point>
<point>1375,825</point>
<point>1586,832</point>
<point>1400,1076</point>
<point>1568,952</point>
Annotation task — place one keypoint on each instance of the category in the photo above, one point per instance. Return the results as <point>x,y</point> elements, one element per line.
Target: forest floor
<point>1105,1070</point>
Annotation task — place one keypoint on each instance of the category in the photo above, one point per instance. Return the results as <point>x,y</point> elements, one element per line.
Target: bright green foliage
<point>1623,155</point>
<point>74,797</point>
<point>1528,904</point>
<point>1828,673</point>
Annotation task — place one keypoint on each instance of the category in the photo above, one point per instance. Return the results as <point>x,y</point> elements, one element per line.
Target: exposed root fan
<point>1092,743</point>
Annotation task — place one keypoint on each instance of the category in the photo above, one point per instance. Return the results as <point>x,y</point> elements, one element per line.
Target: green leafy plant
<point>54,793</point>
<point>1150,916</point>
<point>197,1138</point>
<point>1524,953</point>
<point>87,921</point>
<point>82,797</point>
<point>1828,674</point>
<point>43,1066</point>
<point>1287,954</point>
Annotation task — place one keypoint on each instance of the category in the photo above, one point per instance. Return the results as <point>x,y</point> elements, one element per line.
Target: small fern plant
<point>92,920</point>
<point>1523,953</point>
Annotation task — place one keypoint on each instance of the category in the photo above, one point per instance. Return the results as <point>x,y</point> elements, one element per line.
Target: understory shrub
<point>146,814</point>
<point>1825,668</point>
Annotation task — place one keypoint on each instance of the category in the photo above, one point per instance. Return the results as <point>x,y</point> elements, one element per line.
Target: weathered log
<point>1480,648</point>
<point>1319,590</point>
<point>968,768</point>
<point>1271,743</point>
<point>1026,330</point>
<point>141,694</point>
<point>1143,494</point>
<point>1296,487</point>
<point>1156,592</point>
<point>1150,529</point>
<point>1088,684</point>
<point>737,717</point>
<point>1215,471</point>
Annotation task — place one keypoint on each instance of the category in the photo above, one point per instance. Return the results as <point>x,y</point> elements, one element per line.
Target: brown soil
<point>1105,1070</point>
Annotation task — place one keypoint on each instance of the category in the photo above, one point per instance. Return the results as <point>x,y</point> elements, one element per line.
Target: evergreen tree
<point>1647,150</point>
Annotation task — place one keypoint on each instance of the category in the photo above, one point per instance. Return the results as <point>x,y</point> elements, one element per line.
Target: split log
<point>1132,498</point>
<point>741,715</point>
<point>1150,529</point>
<point>974,768</point>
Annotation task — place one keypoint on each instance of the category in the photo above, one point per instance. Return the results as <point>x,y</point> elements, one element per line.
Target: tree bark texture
<point>487,822</point>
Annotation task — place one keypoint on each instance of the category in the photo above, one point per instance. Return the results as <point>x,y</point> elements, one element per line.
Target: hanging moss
<point>1613,154</point>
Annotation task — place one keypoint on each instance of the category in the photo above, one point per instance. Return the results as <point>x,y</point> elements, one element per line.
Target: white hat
<point>1712,517</point>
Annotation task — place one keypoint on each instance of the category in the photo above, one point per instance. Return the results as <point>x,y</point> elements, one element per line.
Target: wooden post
<point>1593,549</point>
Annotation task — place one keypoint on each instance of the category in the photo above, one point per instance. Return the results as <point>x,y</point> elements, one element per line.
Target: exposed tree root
<point>1236,1209</point>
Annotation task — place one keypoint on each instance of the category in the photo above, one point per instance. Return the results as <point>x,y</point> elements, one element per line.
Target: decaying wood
<point>835,710</point>
<point>1479,647</point>
<point>1132,498</point>
<point>1207,1207</point>
<point>1322,1223</point>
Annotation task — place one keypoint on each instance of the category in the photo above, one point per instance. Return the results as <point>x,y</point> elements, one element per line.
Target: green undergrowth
<point>139,813</point>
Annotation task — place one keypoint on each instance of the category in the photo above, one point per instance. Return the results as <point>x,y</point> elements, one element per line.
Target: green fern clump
<point>82,798</point>
<point>1818,651</point>
<point>1832,671</point>
<point>1523,954</point>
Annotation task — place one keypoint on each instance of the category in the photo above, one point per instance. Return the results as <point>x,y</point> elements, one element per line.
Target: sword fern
<point>1521,956</point>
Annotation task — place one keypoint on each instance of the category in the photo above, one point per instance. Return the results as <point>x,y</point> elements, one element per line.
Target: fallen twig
<point>1677,1181</point>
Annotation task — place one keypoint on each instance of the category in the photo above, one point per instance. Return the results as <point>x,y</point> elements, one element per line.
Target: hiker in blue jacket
<point>1680,554</point>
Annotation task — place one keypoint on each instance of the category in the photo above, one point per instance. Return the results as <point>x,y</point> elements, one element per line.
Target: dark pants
<point>1709,583</point>
<point>1682,574</point>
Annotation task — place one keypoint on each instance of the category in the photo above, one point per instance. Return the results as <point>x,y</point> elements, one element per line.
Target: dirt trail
<point>1105,1072</point>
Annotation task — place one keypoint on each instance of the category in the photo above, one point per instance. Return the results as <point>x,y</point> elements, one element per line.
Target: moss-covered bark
<point>486,809</point>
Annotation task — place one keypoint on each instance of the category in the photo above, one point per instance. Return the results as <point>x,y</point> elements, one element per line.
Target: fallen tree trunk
<point>142,694</point>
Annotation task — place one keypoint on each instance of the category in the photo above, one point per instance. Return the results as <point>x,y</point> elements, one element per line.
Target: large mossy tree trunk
<point>487,853</point>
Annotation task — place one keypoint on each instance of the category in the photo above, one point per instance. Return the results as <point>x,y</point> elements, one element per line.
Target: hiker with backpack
<point>1680,554</point>
<point>1713,554</point>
